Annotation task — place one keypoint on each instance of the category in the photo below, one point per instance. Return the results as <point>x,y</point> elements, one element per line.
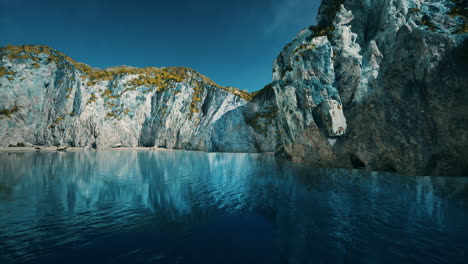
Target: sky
<point>232,42</point>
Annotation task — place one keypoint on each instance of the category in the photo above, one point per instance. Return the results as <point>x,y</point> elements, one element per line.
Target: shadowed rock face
<point>379,84</point>
<point>46,98</point>
<point>398,69</point>
<point>260,115</point>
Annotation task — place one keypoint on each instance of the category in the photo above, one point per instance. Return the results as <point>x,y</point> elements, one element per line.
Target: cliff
<point>49,99</point>
<point>380,85</point>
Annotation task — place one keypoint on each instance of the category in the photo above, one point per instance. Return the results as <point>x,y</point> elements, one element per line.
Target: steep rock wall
<point>49,99</point>
<point>398,70</point>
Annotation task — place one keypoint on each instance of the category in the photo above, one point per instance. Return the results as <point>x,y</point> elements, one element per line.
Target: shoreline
<point>73,149</point>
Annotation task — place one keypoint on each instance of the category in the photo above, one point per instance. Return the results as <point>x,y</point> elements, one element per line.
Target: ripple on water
<point>196,207</point>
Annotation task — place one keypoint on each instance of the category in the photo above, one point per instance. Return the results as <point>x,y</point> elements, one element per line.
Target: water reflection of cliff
<point>62,197</point>
<point>170,182</point>
<point>343,215</point>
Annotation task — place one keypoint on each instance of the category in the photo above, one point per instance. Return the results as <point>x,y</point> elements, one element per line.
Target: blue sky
<point>232,42</point>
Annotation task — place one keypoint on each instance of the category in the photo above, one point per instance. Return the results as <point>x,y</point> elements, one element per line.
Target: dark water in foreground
<point>193,207</point>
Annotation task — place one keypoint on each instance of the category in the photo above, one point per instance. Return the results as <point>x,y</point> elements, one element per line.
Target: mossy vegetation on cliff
<point>146,80</point>
<point>92,99</point>
<point>152,77</point>
<point>304,47</point>
<point>4,72</point>
<point>326,27</point>
<point>117,113</point>
<point>32,52</point>
<point>56,122</point>
<point>322,30</point>
<point>460,9</point>
<point>260,121</point>
<point>9,111</point>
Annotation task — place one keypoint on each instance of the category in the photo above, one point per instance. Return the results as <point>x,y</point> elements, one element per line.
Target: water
<point>194,207</point>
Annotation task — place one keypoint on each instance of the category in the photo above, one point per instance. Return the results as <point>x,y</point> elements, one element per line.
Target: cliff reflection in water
<point>51,200</point>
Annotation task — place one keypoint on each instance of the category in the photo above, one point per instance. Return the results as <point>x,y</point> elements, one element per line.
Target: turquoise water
<point>195,207</point>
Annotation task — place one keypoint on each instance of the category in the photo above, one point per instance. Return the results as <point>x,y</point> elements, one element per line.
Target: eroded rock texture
<point>49,99</point>
<point>398,71</point>
<point>377,84</point>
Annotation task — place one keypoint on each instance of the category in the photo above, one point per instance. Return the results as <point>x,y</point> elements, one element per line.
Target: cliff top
<point>151,76</point>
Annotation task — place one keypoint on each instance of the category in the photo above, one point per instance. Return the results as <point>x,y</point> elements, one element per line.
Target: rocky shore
<point>378,85</point>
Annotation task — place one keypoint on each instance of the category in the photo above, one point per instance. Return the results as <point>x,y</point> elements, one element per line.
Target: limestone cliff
<point>378,84</point>
<point>49,99</point>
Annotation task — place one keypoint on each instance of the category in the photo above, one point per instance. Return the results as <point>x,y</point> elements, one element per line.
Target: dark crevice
<point>356,162</point>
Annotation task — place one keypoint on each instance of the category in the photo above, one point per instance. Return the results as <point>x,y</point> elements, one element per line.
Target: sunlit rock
<point>330,113</point>
<point>47,98</point>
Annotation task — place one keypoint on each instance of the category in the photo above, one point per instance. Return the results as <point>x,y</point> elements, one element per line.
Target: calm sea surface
<point>195,207</point>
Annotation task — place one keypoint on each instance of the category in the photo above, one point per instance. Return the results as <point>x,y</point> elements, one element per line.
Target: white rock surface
<point>331,115</point>
<point>48,99</point>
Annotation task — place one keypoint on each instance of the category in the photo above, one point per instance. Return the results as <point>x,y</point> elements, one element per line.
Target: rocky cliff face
<point>49,99</point>
<point>378,84</point>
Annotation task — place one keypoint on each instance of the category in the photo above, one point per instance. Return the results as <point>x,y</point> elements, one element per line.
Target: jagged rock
<point>400,73</point>
<point>303,80</point>
<point>375,84</point>
<point>252,126</point>
<point>49,99</point>
<point>62,148</point>
<point>330,115</point>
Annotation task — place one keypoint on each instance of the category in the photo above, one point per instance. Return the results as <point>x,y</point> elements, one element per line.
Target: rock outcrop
<point>49,99</point>
<point>378,84</point>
